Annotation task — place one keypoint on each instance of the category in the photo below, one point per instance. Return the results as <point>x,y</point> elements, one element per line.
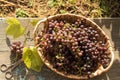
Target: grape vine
<point>18,49</point>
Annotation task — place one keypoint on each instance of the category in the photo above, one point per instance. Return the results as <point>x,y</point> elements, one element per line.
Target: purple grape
<point>76,45</point>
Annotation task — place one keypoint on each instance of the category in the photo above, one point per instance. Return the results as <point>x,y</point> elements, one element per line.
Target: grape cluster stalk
<point>74,47</point>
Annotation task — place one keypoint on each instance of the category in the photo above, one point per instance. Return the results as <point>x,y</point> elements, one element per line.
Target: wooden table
<point>111,28</point>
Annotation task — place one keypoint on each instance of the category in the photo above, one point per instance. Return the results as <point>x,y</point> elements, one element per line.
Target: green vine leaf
<point>34,22</point>
<point>32,59</point>
<point>14,28</point>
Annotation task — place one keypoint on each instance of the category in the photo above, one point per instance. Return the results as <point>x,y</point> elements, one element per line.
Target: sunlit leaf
<point>32,59</point>
<point>34,22</point>
<point>14,28</point>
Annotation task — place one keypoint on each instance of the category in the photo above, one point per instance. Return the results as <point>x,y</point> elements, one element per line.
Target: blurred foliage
<point>53,3</point>
<point>21,13</point>
<point>45,8</point>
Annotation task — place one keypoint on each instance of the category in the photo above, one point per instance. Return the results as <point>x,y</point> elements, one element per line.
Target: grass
<point>45,8</point>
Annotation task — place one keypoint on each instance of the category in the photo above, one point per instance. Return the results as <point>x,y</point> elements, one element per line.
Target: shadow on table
<point>112,74</point>
<point>113,25</point>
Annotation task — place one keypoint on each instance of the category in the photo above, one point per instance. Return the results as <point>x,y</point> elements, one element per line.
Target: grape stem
<point>25,38</point>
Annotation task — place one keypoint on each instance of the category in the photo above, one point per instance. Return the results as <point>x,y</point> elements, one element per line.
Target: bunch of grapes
<point>16,50</point>
<point>74,47</point>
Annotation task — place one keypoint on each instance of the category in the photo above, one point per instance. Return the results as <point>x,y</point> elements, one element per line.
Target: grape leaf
<point>34,22</point>
<point>14,28</point>
<point>32,59</point>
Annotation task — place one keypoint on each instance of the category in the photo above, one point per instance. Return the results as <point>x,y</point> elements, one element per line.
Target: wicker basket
<point>72,17</point>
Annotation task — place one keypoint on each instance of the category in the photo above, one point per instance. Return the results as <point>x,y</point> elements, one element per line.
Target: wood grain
<point>110,26</point>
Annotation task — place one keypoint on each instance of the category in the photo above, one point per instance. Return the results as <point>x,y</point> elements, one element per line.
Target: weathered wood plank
<point>110,26</point>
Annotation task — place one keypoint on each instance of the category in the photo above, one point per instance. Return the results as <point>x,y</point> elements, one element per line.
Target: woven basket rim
<point>99,71</point>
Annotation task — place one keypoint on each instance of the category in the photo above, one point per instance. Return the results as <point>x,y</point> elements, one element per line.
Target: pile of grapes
<point>73,47</point>
<point>16,50</point>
